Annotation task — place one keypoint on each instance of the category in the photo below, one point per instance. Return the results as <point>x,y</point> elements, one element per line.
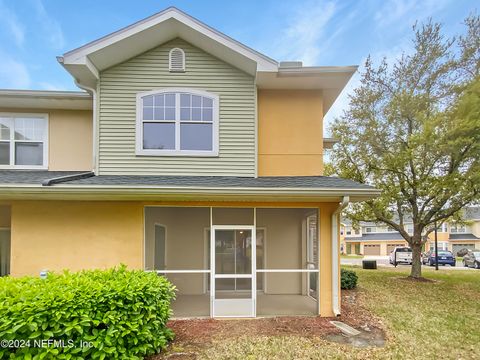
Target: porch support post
<point>254,263</point>
<point>335,257</point>
<point>212,263</point>
<point>319,237</point>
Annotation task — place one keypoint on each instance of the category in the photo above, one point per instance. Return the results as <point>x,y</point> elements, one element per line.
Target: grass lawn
<point>439,319</point>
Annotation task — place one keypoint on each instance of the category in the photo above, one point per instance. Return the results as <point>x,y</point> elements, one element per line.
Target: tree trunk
<point>416,271</point>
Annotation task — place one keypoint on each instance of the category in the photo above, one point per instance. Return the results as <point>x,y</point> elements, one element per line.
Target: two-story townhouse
<point>454,236</point>
<point>380,240</point>
<point>368,239</point>
<point>189,154</point>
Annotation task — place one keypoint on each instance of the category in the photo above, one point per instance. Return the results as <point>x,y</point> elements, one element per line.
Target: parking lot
<point>383,261</point>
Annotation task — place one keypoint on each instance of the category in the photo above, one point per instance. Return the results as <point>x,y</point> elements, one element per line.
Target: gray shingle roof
<point>463,237</point>
<point>377,236</point>
<point>225,181</point>
<point>472,213</point>
<point>313,182</point>
<point>31,176</point>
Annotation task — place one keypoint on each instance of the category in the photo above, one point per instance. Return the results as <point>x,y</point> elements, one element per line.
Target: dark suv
<point>472,259</point>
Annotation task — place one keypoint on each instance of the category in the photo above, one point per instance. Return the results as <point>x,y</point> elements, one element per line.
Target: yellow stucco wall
<point>70,138</point>
<point>441,236</point>
<point>55,235</point>
<point>290,132</point>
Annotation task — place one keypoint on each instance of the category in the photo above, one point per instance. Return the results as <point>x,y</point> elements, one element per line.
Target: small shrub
<point>95,314</point>
<point>462,252</point>
<point>348,279</point>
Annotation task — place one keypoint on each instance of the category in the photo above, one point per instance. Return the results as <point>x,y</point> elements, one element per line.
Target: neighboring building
<point>191,155</point>
<point>380,240</point>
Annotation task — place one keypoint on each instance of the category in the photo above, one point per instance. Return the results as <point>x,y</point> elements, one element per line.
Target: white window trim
<point>157,152</point>
<point>12,141</point>
<point>170,61</point>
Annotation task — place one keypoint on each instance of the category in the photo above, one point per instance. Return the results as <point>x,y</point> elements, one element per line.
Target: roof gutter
<point>69,191</point>
<point>335,259</point>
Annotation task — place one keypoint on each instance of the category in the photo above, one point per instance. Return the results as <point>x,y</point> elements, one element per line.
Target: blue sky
<point>318,32</point>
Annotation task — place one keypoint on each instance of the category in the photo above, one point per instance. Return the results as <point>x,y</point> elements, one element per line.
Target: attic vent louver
<point>177,60</point>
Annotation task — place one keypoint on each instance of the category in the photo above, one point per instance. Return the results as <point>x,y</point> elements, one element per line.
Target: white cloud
<point>13,74</point>
<point>51,27</point>
<point>12,25</point>
<point>302,39</point>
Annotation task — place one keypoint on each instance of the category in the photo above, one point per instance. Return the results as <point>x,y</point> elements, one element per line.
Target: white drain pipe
<point>335,265</point>
<point>93,91</point>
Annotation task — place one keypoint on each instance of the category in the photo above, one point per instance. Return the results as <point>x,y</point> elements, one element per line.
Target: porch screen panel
<point>4,252</point>
<point>232,216</point>
<point>159,247</point>
<point>290,269</point>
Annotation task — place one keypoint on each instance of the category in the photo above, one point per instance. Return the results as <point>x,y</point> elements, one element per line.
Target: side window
<point>23,141</point>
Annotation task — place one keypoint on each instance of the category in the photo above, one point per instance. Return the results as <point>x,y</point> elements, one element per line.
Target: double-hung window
<point>23,141</point>
<point>177,122</point>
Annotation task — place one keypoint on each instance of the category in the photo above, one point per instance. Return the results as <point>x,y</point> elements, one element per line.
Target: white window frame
<point>177,152</point>
<point>12,141</point>
<point>456,228</point>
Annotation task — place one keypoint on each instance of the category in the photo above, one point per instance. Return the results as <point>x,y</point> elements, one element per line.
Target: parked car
<point>444,258</point>
<point>425,256</point>
<point>472,259</point>
<point>401,255</point>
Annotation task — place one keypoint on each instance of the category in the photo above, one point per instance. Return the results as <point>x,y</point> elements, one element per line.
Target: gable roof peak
<point>85,62</point>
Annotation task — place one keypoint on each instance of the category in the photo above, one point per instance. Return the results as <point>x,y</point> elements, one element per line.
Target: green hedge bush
<point>348,279</point>
<point>97,314</point>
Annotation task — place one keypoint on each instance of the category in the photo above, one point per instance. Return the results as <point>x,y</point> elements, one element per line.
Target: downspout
<point>93,91</point>
<point>335,261</point>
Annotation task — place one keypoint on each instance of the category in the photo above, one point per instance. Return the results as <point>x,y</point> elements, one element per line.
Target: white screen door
<point>233,272</point>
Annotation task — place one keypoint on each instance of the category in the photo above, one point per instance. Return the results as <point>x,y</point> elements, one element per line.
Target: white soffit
<point>85,62</point>
<point>331,79</point>
<point>40,99</point>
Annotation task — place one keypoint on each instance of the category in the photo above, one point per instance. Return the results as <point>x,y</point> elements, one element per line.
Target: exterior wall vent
<point>177,60</point>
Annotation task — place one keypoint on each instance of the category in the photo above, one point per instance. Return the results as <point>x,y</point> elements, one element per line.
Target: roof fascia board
<point>147,193</point>
<point>77,55</point>
<point>36,99</point>
<point>320,70</point>
<point>191,189</point>
<point>81,95</point>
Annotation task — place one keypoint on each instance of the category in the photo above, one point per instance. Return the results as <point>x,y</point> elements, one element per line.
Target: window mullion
<point>177,121</point>
<point>12,141</point>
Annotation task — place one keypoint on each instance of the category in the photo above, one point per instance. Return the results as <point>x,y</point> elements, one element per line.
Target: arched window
<point>176,60</point>
<point>177,122</point>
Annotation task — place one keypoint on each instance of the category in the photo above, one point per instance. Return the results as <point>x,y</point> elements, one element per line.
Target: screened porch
<point>236,262</point>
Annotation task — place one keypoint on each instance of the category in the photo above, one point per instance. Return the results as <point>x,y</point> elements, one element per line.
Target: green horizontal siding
<point>119,86</point>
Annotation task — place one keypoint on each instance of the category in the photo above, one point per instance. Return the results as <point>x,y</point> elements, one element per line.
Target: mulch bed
<point>198,333</point>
